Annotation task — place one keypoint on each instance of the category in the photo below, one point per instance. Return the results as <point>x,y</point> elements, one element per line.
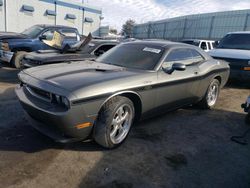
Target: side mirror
<point>43,37</point>
<point>175,67</point>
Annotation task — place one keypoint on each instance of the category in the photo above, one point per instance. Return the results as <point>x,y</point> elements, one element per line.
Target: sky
<point>116,12</point>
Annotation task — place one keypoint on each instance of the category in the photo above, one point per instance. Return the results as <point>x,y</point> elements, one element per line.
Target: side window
<point>209,45</point>
<point>204,46</point>
<point>48,34</point>
<point>69,34</point>
<point>197,57</point>
<point>102,49</point>
<point>179,56</point>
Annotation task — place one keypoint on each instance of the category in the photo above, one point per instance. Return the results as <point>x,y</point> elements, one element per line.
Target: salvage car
<point>234,48</point>
<point>89,51</point>
<point>13,46</point>
<point>132,81</point>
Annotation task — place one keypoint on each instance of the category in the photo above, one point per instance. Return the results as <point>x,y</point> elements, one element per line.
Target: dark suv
<point>13,46</point>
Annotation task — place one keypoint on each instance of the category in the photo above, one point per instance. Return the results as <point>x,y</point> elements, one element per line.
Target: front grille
<point>39,93</point>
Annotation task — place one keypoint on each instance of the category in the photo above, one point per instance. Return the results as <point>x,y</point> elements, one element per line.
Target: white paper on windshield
<point>153,50</point>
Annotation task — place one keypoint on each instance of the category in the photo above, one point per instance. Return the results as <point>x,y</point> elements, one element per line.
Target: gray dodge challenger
<point>102,99</point>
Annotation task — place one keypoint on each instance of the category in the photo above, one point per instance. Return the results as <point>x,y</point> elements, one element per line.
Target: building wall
<point>18,19</point>
<point>202,26</point>
<point>2,18</point>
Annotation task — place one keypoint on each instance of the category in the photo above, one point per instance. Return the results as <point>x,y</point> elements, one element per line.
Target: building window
<point>70,16</point>
<point>89,20</point>
<point>1,3</point>
<point>50,13</point>
<point>28,8</point>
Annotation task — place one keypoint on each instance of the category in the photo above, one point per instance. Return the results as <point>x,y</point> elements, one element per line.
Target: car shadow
<point>237,84</point>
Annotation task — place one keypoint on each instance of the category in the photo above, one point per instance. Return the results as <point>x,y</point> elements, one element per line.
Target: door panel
<point>180,87</point>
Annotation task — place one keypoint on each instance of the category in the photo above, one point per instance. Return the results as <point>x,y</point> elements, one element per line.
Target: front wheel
<point>17,59</point>
<point>211,96</point>
<point>114,122</point>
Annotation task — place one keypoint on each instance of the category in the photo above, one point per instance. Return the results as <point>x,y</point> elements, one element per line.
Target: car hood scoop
<point>76,75</point>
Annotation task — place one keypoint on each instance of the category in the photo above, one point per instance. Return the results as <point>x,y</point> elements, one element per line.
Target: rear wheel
<point>211,96</point>
<point>114,122</point>
<point>17,59</point>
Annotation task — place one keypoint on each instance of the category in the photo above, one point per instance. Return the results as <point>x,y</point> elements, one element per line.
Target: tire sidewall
<point>107,116</point>
<point>17,59</point>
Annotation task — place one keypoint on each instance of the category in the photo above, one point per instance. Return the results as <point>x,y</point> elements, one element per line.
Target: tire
<point>207,101</point>
<point>16,62</point>
<point>112,125</point>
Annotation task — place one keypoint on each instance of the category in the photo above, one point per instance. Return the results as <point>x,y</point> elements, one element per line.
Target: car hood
<point>77,75</point>
<point>11,35</point>
<point>51,56</point>
<point>230,53</point>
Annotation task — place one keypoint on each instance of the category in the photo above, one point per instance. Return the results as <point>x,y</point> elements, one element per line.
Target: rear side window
<point>197,57</point>
<point>209,45</point>
<point>185,56</point>
<point>180,56</point>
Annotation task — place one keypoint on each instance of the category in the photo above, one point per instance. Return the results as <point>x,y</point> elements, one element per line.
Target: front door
<point>180,87</point>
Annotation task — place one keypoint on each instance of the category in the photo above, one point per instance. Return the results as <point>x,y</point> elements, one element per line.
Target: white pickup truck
<point>206,45</point>
<point>234,48</point>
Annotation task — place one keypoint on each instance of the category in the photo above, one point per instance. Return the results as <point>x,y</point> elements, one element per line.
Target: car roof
<point>54,26</point>
<point>239,32</point>
<point>161,43</point>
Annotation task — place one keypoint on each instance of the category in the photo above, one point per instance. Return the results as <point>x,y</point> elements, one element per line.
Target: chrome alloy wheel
<point>121,123</point>
<point>212,94</point>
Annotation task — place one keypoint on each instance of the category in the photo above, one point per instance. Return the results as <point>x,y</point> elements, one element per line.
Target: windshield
<point>33,31</point>
<point>138,56</point>
<point>235,41</point>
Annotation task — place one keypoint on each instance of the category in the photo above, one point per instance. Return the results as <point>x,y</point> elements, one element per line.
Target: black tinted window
<point>185,56</point>
<point>197,57</point>
<point>204,46</point>
<point>102,49</point>
<point>139,56</point>
<point>235,41</point>
<point>179,55</point>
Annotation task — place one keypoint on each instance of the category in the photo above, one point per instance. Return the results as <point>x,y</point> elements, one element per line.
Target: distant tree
<point>127,28</point>
<point>113,31</point>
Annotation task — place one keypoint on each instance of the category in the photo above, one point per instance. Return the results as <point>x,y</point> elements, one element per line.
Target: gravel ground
<point>185,148</point>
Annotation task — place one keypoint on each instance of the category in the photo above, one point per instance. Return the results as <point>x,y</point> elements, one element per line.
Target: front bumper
<point>56,123</point>
<point>239,75</point>
<point>6,56</point>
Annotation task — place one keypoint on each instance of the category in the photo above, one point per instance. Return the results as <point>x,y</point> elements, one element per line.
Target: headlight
<point>5,46</point>
<point>62,101</point>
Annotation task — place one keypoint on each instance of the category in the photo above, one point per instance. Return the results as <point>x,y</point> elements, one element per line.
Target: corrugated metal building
<point>17,15</point>
<point>201,26</point>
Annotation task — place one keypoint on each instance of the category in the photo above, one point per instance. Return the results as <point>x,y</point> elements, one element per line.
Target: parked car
<point>246,107</point>
<point>90,51</point>
<point>133,80</point>
<point>234,48</point>
<point>206,45</point>
<point>13,46</point>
